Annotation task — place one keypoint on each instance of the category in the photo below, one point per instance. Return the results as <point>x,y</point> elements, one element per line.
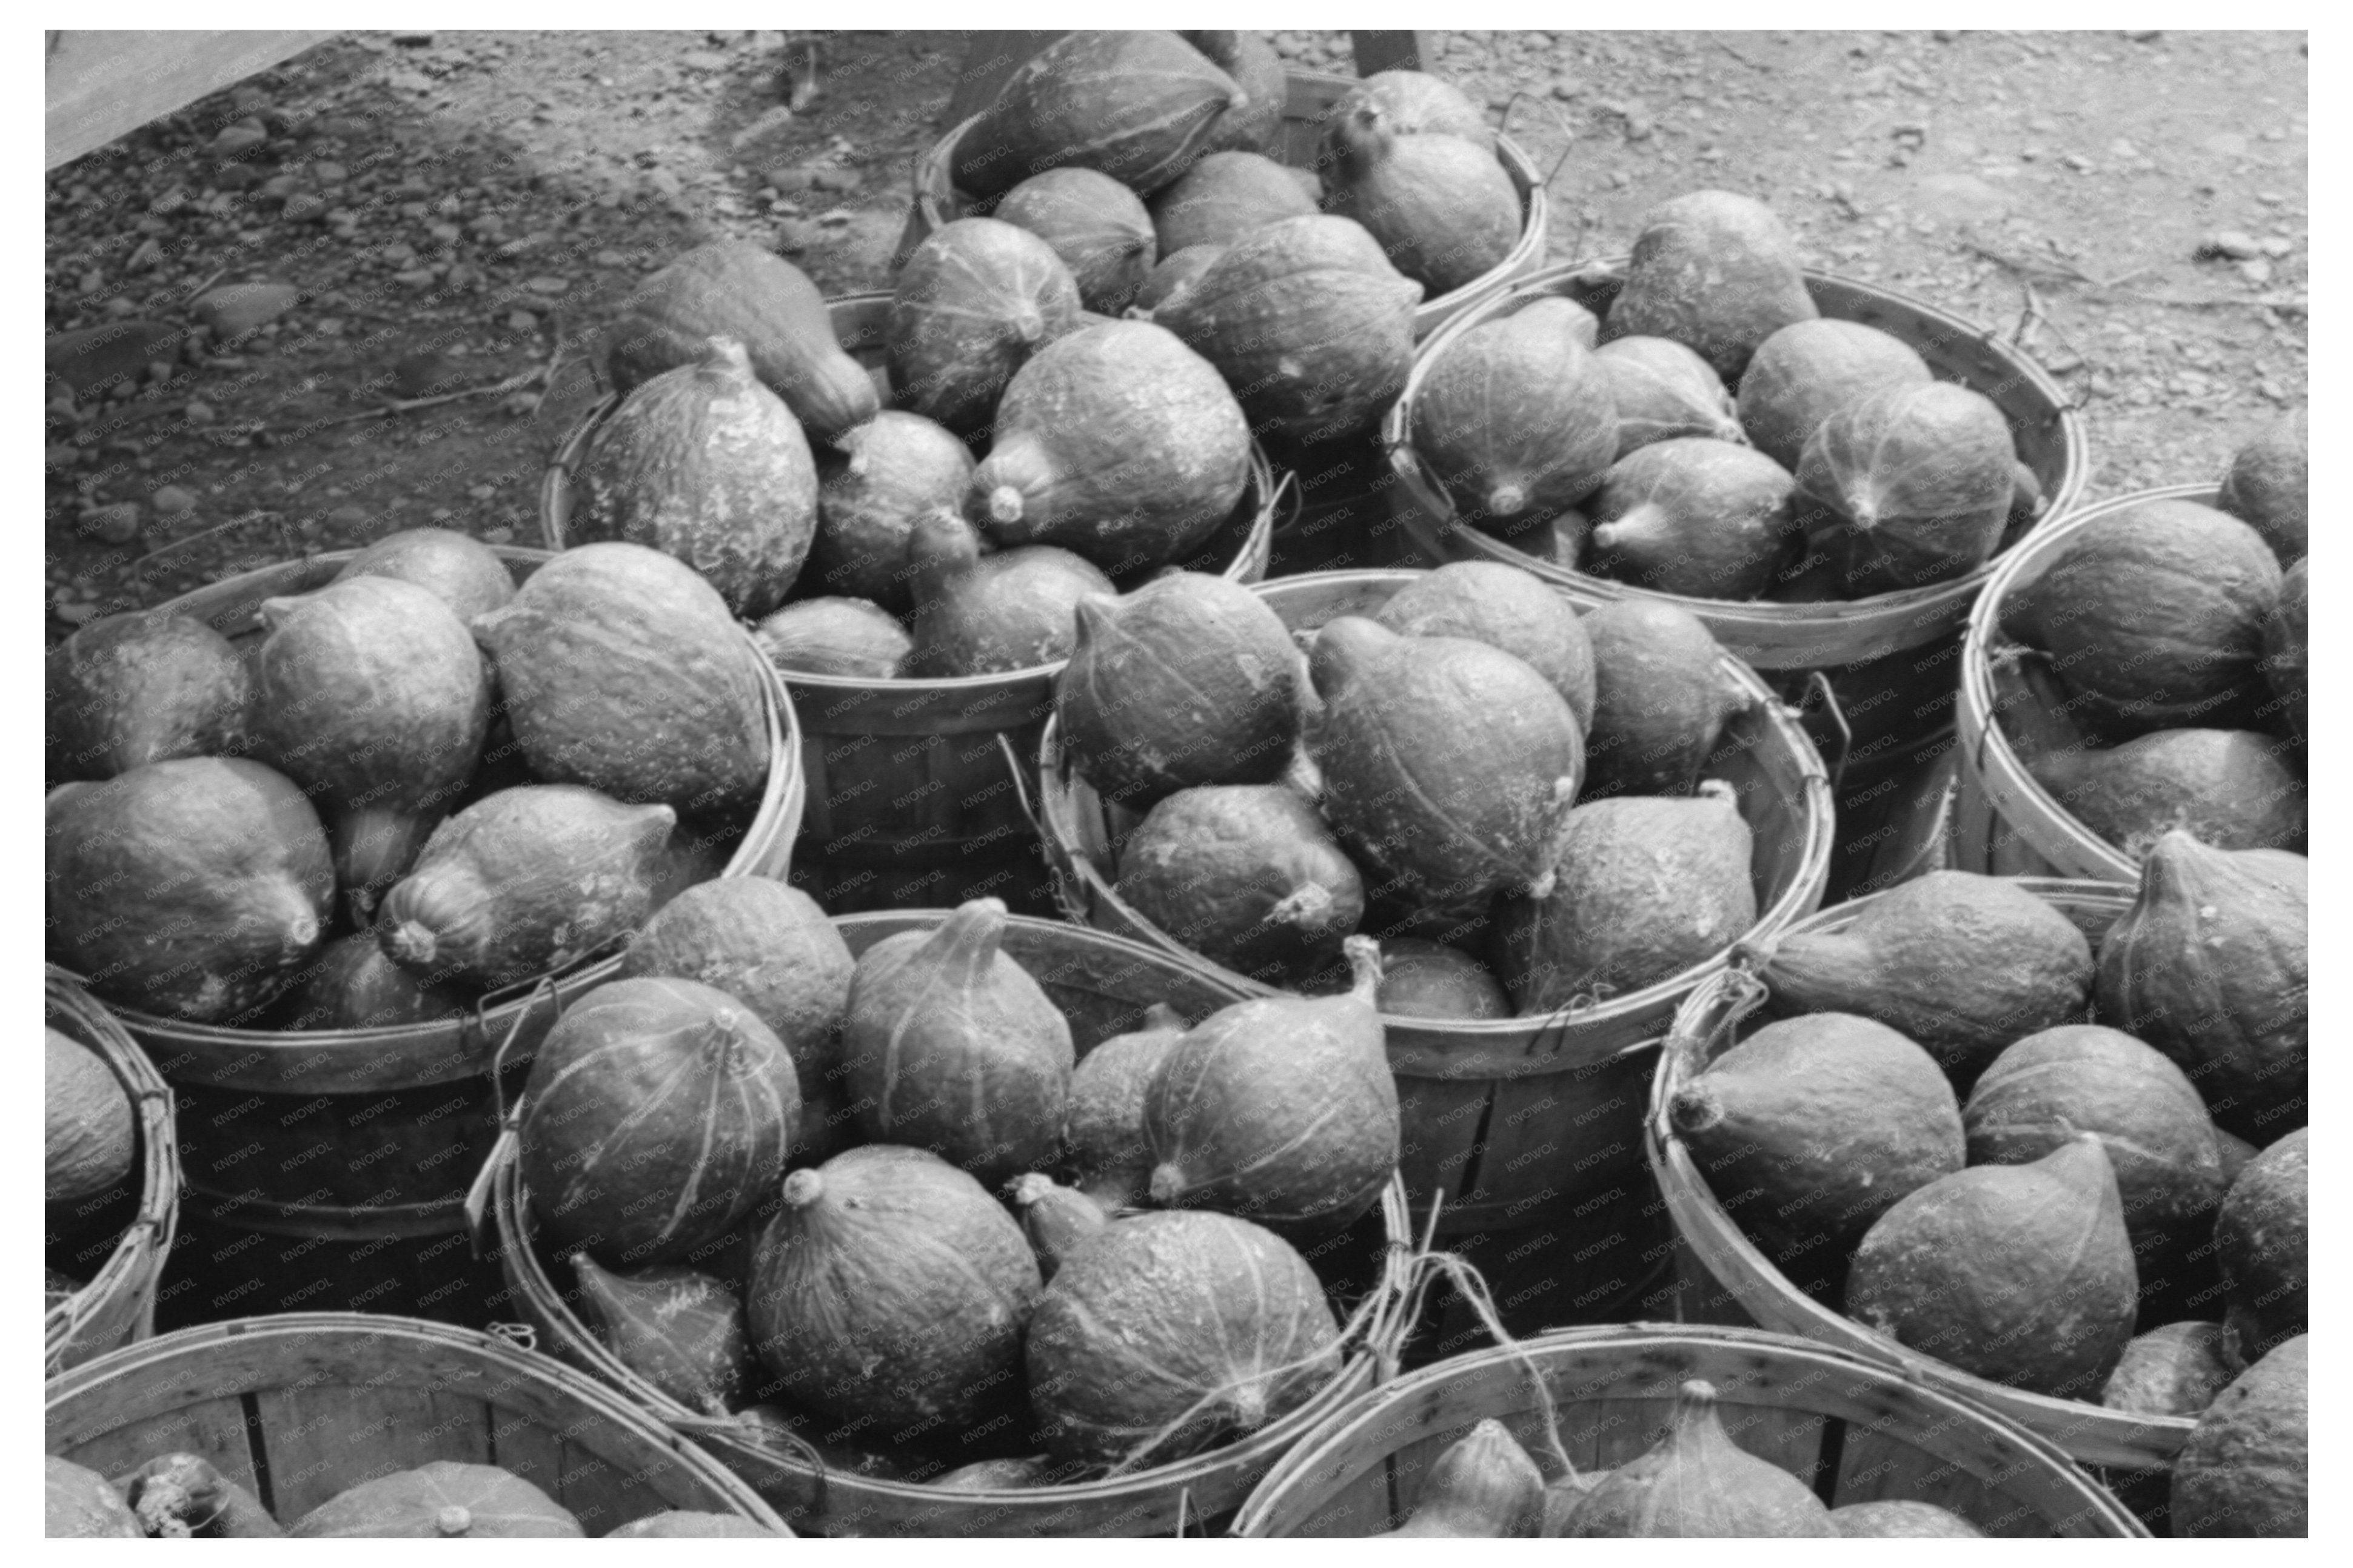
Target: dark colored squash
<point>681,1523</point>
<point>1103,1130</point>
<point>1906,487</point>
<point>1662,390</point>
<point>1140,106</point>
<point>2262,1239</point>
<point>1504,607</point>
<point>1697,1482</point>
<point>81,1505</point>
<point>1247,876</point>
<point>731,288</point>
<point>1254,126</point>
<point>2227,787</point>
<point>462,570</point>
<point>2266,487</point>
<point>679,1331</point>
<point>1175,275</point>
<point>1190,681</point>
<point>973,304</point>
<point>2286,656</point>
<point>1442,208</point>
<point>352,984</point>
<point>1058,1220</point>
<point>1896,1520</point>
<point>1116,441</point>
<point>1400,103</point>
<point>1811,370</point>
<point>1223,197</point>
<point>128,690</point>
<point>983,615</point>
<point>850,637</point>
<point>1096,225</point>
<point>1430,979</point>
<point>1715,272</point>
<point>890,472</point>
<point>90,1132</point>
<point>442,1500</point>
<point>1691,515</point>
<point>2175,1369</point>
<point>770,948</point>
<point>1481,1486</point>
<point>2247,1469</point>
<point>194,888</point>
<point>1661,698</point>
<point>2154,618</point>
<point>704,463</point>
<point>1516,420</point>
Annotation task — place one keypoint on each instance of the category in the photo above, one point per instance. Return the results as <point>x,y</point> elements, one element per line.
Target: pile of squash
<point>417,784</point>
<point>183,1497</point>
<point>1512,797</point>
<point>817,1193</point>
<point>1616,445</point>
<point>2158,662</point>
<point>2075,1168</point>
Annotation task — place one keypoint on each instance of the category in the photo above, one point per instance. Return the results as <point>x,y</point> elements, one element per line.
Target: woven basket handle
<point>1826,721</point>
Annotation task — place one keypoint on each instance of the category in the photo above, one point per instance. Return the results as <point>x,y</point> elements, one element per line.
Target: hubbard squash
<point>1715,272</point>
<point>1482,1487</point>
<point>1504,607</point>
<point>731,288</point>
<point>1254,126</point>
<point>1096,225</point>
<point>1662,699</point>
<point>92,1134</point>
<point>973,304</point>
<point>981,615</point>
<point>458,569</point>
<point>442,1500</point>
<point>1442,208</point>
<point>2266,488</point>
<point>1223,197</point>
<point>1516,420</point>
<point>2247,1469</point>
<point>1697,1482</point>
<point>354,984</point>
<point>1808,371</point>
<point>1664,390</point>
<point>1691,515</point>
<point>2262,1239</point>
<point>128,690</point>
<point>768,946</point>
<point>2226,787</point>
<point>82,1504</point>
<point>2286,656</point>
<point>1104,1129</point>
<point>1906,487</point>
<point>1174,275</point>
<point>1400,103</point>
<point>889,471</point>
<point>1139,105</point>
<point>852,637</point>
<point>2174,1369</point>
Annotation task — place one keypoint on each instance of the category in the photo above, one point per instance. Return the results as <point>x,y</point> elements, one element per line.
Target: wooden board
<point>102,84</point>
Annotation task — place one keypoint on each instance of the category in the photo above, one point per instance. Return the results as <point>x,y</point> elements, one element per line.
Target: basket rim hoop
<point>2091,1432</point>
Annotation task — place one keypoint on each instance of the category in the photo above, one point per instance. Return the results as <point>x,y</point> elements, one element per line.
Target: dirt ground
<point>451,215</point>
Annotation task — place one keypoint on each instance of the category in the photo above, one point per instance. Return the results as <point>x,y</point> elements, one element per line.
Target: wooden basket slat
<point>2049,432</point>
<point>338,1398</point>
<point>1613,1386</point>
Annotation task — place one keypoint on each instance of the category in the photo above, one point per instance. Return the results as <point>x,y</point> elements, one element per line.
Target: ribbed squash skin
<point>705,464</point>
<point>2245,1470</point>
<point>2262,1239</point>
<point>1717,272</point>
<point>1907,487</point>
<point>1662,699</point>
<point>947,1043</point>
<point>1247,876</point>
<point>1190,680</point>
<point>659,1113</point>
<point>1282,1110</point>
<point>884,474</point>
<point>1176,274</point>
<point>1647,887</point>
<point>458,568</point>
<point>1400,103</point>
<point>1308,322</point>
<point>1813,1128</point>
<point>1809,370</point>
<point>2086,1077</point>
<point>2154,618</point>
<point>891,1287</point>
<point>370,693</point>
<point>623,670</point>
<point>1504,607</point>
<point>1901,1520</point>
<point>981,615</point>
<point>1961,963</point>
<point>1104,1129</point>
<point>1697,1482</point>
<point>1255,125</point>
<point>1691,515</point>
<point>1484,1486</point>
<point>1169,1334</point>
<point>1516,420</point>
<point>679,1331</point>
<point>1430,979</point>
<point>2209,965</point>
<point>2227,787</point>
<point>80,1504</point>
<point>2021,1274</point>
<point>523,882</point>
<point>1097,225</point>
<point>682,1523</point>
<point>973,304</point>
<point>90,1133</point>
<point>1116,441</point>
<point>2175,1369</point>
<point>2286,655</point>
<point>128,690</point>
<point>731,288</point>
<point>440,1500</point>
<point>852,637</point>
<point>1224,196</point>
<point>352,984</point>
<point>1662,390</point>
<point>192,889</point>
<point>1139,106</point>
<point>2266,486</point>
<point>767,945</point>
<point>1442,208</point>
<point>1452,761</point>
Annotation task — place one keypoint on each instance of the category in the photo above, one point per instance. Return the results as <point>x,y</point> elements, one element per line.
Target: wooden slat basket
<point>1855,1430</point>
<point>374,1134</point>
<point>1892,658</point>
<point>1102,985</point>
<point>118,1303</point>
<point>913,800</point>
<point>300,1407</point>
<point>2005,823</point>
<point>1510,1120</point>
<point>1312,95</point>
<point>1729,1265</point>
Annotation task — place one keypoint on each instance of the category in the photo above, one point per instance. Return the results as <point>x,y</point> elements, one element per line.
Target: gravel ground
<point>433,225</point>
